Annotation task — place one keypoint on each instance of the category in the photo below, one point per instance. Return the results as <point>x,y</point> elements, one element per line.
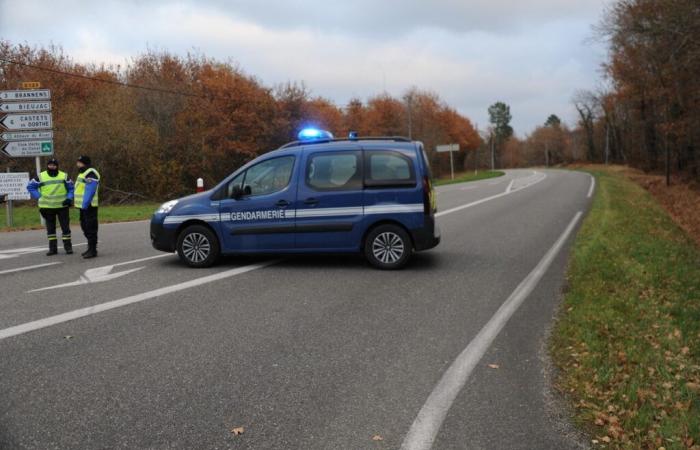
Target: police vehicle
<point>314,195</point>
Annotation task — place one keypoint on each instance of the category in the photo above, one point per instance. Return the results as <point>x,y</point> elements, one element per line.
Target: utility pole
<point>493,152</point>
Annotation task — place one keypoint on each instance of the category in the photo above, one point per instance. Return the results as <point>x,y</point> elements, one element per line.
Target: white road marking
<point>592,188</point>
<point>101,274</point>
<point>467,188</point>
<point>493,197</point>
<point>425,427</point>
<point>21,269</point>
<point>15,252</point>
<point>90,310</point>
<point>510,185</point>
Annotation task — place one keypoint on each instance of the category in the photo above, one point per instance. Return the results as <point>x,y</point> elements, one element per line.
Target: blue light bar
<point>312,134</point>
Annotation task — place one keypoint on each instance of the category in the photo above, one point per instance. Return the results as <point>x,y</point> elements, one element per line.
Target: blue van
<point>314,195</point>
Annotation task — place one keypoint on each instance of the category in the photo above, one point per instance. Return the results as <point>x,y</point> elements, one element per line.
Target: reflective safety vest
<point>80,188</point>
<point>52,189</point>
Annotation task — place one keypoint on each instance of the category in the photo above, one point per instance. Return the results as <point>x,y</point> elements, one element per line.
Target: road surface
<point>134,350</point>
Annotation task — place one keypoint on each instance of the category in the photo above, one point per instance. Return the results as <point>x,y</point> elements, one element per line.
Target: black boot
<point>91,251</point>
<point>68,246</point>
<point>53,248</point>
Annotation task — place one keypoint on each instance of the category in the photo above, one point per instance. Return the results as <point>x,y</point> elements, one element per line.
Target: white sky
<point>530,54</point>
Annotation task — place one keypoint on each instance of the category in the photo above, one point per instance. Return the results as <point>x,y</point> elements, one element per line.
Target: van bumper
<point>162,238</point>
<point>427,237</point>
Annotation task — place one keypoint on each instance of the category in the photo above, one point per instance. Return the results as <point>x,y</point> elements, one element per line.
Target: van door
<point>329,206</point>
<point>262,218</point>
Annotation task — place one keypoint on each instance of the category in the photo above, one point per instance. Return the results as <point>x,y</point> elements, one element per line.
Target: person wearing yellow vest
<point>87,186</point>
<point>54,192</point>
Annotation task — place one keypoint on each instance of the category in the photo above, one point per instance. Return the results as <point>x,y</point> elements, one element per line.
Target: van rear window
<point>389,169</point>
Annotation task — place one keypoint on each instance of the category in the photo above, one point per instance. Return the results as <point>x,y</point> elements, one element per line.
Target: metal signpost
<point>451,148</point>
<point>26,127</point>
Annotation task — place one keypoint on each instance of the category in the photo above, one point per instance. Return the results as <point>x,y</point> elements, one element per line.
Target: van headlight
<point>166,207</point>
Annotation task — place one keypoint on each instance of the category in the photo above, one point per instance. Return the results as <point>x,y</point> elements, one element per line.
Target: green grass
<point>628,340</point>
<point>469,176</point>
<point>27,217</point>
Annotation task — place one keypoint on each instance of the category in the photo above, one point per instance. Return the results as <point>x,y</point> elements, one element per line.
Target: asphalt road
<point>302,352</point>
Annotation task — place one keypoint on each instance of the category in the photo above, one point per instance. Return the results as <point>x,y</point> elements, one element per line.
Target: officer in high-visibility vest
<point>87,185</point>
<point>54,192</point>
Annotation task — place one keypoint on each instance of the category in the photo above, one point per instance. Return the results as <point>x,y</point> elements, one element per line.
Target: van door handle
<point>282,203</point>
<point>311,201</point>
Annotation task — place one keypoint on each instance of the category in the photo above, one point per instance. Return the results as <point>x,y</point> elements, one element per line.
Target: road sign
<point>27,135</point>
<point>33,94</point>
<point>37,121</point>
<point>25,107</point>
<point>451,148</point>
<point>30,85</point>
<point>28,148</point>
<point>14,184</point>
<point>447,148</point>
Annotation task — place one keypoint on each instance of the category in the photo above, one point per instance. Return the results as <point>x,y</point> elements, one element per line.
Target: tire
<point>388,247</point>
<point>197,246</point>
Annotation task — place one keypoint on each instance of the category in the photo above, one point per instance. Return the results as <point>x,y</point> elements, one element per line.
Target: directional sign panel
<point>28,148</point>
<point>447,148</point>
<point>38,121</point>
<point>25,107</point>
<point>32,94</point>
<point>15,185</point>
<point>27,136</point>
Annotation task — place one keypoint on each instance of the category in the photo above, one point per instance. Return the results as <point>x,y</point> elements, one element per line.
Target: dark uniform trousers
<point>88,223</point>
<point>50,214</point>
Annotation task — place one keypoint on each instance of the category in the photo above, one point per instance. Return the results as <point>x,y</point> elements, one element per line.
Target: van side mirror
<point>236,192</point>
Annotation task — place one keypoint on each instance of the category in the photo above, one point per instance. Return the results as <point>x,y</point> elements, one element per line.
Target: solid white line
<point>493,197</point>
<point>143,259</point>
<point>510,185</point>
<point>83,312</point>
<point>21,269</point>
<point>431,416</point>
<point>592,188</point>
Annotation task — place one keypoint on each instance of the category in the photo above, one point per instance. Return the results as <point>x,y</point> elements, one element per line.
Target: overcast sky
<point>531,54</point>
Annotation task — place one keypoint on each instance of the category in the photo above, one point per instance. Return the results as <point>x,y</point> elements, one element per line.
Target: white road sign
<point>28,148</point>
<point>25,107</point>
<point>447,148</point>
<point>27,135</point>
<point>15,184</point>
<point>37,121</point>
<point>30,94</point>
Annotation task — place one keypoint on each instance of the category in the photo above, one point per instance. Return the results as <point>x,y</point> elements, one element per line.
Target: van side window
<point>389,169</point>
<point>264,178</point>
<point>334,171</point>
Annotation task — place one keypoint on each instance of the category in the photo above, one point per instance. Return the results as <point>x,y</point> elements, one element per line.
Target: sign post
<point>451,148</point>
<point>27,122</point>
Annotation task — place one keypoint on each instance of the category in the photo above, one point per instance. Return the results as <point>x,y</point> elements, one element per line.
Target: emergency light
<point>313,134</point>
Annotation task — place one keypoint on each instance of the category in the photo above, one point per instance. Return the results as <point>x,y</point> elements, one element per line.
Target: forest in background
<point>155,126</point>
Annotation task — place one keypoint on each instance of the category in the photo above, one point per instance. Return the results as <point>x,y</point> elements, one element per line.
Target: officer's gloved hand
<point>67,202</point>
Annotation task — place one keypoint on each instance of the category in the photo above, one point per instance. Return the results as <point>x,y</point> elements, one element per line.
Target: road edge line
<point>428,422</point>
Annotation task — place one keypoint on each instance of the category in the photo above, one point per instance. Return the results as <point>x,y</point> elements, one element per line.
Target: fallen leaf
<point>237,431</point>
<point>494,366</point>
<point>606,439</point>
<point>693,386</point>
<point>377,437</point>
<point>685,350</point>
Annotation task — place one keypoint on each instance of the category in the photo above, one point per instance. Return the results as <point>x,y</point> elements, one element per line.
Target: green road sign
<point>47,147</point>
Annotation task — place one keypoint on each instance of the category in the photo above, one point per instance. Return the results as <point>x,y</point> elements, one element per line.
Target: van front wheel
<point>197,246</point>
<point>388,247</point>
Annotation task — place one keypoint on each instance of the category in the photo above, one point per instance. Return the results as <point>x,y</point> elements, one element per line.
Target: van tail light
<point>429,206</point>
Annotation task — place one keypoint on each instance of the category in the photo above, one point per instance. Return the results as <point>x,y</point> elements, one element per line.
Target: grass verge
<point>27,217</point>
<point>627,342</point>
<point>469,176</point>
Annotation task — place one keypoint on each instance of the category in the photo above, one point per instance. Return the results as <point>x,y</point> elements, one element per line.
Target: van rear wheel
<point>388,247</point>
<point>197,246</point>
